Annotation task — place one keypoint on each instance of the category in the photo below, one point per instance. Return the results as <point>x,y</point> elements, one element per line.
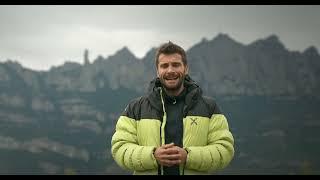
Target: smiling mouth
<point>171,79</point>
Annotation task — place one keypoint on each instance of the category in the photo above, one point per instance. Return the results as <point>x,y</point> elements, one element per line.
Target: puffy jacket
<point>140,130</point>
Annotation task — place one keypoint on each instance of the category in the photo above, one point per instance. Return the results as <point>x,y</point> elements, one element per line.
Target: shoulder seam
<point>212,105</point>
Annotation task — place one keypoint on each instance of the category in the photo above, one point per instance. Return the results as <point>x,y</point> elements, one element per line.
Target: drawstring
<point>174,101</point>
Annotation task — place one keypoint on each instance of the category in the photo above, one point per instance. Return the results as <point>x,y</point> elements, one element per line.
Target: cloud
<point>42,36</point>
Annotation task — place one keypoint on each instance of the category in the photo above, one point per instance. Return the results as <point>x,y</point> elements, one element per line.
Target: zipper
<point>164,120</point>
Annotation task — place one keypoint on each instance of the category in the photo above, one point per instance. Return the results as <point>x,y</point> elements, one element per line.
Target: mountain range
<point>61,120</point>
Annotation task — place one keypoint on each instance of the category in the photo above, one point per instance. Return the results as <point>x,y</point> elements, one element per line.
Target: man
<point>173,130</point>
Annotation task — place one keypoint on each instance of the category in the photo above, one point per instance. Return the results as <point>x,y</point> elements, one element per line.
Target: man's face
<point>171,71</point>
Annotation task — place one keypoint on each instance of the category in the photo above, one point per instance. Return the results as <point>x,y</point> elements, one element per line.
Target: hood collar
<point>192,94</point>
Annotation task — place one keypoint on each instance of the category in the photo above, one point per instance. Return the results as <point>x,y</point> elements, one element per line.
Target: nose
<point>170,69</point>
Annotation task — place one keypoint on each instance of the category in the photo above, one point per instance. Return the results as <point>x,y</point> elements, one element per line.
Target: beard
<point>172,81</point>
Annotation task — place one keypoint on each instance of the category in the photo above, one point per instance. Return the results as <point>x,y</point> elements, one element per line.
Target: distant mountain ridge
<point>222,66</point>
<point>61,121</point>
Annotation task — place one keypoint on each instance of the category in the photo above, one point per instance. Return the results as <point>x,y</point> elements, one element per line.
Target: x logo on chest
<point>194,121</point>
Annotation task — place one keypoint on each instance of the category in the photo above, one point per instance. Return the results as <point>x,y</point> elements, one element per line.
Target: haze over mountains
<point>61,120</point>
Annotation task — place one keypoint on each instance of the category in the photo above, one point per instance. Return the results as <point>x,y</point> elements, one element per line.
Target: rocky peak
<point>222,42</point>
<point>86,57</point>
<point>311,51</point>
<point>272,39</point>
<point>14,65</point>
<point>149,58</point>
<point>67,66</point>
<point>124,54</point>
<point>272,43</point>
<point>221,37</point>
<point>204,40</point>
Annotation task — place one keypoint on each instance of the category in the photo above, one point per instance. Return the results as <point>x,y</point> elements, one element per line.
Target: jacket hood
<point>192,95</point>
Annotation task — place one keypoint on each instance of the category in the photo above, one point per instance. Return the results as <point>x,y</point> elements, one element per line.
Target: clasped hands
<point>169,155</point>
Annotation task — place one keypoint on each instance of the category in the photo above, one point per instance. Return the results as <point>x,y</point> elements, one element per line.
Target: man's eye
<point>176,65</point>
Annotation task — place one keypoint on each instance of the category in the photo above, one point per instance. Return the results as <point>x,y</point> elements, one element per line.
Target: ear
<point>187,69</point>
<point>158,75</point>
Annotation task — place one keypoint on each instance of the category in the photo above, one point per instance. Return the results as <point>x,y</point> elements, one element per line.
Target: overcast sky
<point>39,37</point>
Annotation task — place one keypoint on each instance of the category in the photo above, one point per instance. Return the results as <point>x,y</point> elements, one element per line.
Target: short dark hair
<point>171,48</point>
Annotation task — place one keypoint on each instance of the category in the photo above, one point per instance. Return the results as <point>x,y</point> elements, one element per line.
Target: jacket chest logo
<point>194,121</point>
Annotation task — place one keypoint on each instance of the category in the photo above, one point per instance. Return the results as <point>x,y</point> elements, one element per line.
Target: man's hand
<point>182,154</point>
<point>169,155</point>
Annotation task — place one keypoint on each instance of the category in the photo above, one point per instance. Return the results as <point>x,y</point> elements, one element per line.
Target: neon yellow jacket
<point>140,129</point>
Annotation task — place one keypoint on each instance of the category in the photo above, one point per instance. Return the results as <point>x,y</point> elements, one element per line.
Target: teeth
<point>171,78</point>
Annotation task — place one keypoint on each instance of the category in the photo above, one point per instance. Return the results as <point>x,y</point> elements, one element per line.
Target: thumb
<point>168,145</point>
